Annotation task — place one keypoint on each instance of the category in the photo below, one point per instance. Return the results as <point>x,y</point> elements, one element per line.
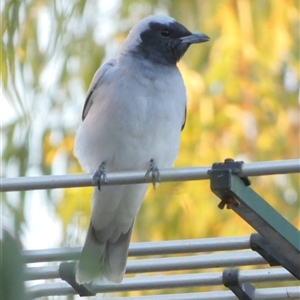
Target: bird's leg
<point>99,175</point>
<point>153,169</point>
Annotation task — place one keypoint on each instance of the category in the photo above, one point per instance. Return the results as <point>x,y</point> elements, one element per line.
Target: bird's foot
<point>153,169</point>
<point>100,175</point>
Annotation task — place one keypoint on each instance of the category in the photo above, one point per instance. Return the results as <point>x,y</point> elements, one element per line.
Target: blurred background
<point>243,91</point>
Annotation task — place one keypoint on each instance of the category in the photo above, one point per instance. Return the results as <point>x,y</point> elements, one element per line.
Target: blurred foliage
<point>243,90</point>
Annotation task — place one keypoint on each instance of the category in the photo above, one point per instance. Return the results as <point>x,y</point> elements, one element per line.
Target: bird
<point>132,120</point>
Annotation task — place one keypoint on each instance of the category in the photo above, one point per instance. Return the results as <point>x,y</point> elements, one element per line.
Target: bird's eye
<point>165,32</point>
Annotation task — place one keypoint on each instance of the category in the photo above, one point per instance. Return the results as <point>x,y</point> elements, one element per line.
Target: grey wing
<point>96,82</point>
<point>183,124</point>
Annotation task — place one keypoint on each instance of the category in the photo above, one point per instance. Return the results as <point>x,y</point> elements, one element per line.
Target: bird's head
<point>161,39</point>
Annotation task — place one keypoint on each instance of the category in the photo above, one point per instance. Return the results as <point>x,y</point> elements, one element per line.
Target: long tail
<point>103,259</point>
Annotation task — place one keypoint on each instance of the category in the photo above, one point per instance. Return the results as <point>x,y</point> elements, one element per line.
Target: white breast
<point>136,116</point>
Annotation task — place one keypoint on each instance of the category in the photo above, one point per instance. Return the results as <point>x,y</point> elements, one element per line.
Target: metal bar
<point>113,178</point>
<point>276,230</point>
<point>265,275</point>
<point>145,248</point>
<point>166,175</point>
<point>157,282</point>
<point>270,167</point>
<point>49,255</point>
<point>215,260</point>
<point>292,292</point>
<point>189,246</point>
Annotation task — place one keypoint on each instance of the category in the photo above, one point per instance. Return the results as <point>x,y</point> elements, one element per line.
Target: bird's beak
<point>195,38</point>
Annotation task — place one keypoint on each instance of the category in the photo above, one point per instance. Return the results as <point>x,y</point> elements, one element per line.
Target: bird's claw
<point>153,169</point>
<point>100,175</point>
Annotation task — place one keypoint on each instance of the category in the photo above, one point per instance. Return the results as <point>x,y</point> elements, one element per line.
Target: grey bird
<point>132,119</point>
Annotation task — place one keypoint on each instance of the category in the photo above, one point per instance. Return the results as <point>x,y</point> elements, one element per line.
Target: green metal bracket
<point>280,235</point>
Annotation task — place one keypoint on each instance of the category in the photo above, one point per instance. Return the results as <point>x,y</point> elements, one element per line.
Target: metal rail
<point>145,248</point>
<point>163,282</point>
<point>292,292</point>
<point>235,193</point>
<point>236,257</point>
<point>166,175</point>
<point>215,260</point>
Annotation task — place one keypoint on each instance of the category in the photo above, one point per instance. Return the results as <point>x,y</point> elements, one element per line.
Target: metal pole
<point>145,248</point>
<point>215,260</point>
<point>166,175</point>
<point>159,282</point>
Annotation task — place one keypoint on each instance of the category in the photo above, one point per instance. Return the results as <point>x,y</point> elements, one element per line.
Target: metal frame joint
<point>243,291</point>
<point>220,181</point>
<point>279,240</point>
<point>67,273</point>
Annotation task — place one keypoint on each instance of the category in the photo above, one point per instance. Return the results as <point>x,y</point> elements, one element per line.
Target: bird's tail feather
<point>103,259</point>
<point>91,261</point>
<point>116,257</point>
